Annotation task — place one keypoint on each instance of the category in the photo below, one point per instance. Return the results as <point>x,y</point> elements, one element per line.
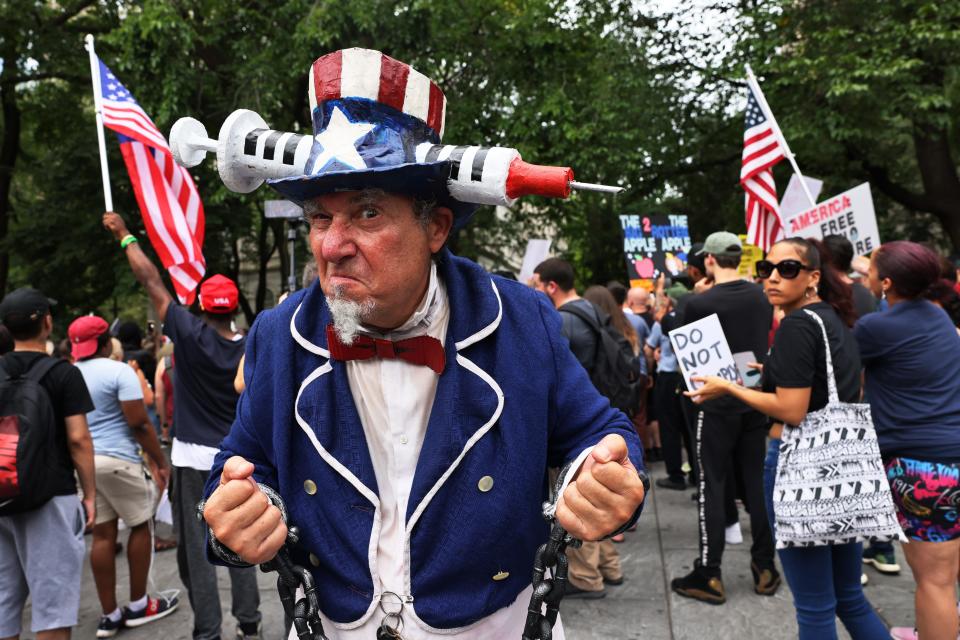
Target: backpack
<point>615,371</point>
<point>27,433</point>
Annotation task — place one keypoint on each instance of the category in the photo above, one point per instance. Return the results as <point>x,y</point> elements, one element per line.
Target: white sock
<point>139,605</point>
<point>115,615</point>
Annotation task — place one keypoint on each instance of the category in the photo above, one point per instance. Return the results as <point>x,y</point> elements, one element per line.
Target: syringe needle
<point>589,186</point>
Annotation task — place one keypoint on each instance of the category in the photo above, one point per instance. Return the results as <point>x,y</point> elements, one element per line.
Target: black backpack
<point>27,435</point>
<point>615,371</point>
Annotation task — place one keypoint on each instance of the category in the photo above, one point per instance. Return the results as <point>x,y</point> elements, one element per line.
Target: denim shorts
<point>927,495</point>
<point>41,554</point>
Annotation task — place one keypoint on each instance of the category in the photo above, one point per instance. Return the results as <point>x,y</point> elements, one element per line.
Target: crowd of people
<point>892,333</point>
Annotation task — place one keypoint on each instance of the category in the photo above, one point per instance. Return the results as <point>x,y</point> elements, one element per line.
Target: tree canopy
<point>625,94</point>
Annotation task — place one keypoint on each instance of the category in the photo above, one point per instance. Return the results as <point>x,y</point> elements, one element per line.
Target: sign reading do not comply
<point>702,350</point>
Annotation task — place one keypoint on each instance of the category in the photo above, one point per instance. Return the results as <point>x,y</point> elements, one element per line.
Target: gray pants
<point>196,573</point>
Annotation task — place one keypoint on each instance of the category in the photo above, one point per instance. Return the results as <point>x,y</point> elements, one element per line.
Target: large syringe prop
<point>248,153</point>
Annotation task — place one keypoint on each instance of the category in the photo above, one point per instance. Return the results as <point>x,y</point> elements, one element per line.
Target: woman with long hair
<point>602,297</point>
<point>825,580</point>
<point>911,354</point>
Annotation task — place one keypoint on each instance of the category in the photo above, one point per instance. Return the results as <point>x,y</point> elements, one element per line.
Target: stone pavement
<point>663,547</point>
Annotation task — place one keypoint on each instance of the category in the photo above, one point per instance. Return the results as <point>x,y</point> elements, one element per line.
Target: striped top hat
<point>369,114</point>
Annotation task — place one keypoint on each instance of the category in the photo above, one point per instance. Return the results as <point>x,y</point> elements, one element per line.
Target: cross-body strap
<point>592,321</point>
<point>834,396</point>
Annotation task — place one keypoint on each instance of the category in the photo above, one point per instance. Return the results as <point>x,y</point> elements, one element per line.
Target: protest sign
<point>537,251</point>
<point>748,259</point>
<point>653,245</point>
<point>849,214</point>
<point>702,350</point>
<point>795,199</point>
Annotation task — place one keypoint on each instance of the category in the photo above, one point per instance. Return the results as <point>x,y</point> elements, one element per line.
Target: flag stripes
<point>761,151</point>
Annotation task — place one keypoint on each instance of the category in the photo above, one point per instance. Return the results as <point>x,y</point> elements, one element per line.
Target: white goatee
<point>347,315</point>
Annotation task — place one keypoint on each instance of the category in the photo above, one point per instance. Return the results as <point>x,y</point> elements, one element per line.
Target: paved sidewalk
<point>663,547</point>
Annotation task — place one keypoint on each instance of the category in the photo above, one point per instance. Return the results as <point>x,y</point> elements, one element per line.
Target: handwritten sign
<point>653,245</point>
<point>702,350</point>
<point>849,214</point>
<point>537,251</point>
<point>748,259</point>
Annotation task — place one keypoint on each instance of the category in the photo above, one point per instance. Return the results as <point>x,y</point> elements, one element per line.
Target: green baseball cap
<point>722,243</point>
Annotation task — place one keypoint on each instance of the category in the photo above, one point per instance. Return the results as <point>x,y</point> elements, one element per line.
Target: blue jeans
<point>825,581</point>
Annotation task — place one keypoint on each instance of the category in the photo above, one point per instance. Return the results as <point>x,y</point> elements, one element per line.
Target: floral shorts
<point>927,495</point>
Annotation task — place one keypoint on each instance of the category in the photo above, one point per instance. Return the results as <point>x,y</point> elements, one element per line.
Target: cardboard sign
<point>653,245</point>
<point>849,214</point>
<point>702,350</point>
<point>748,259</point>
<point>537,251</point>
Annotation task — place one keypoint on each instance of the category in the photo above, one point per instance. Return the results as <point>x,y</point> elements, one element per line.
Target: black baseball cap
<point>26,303</point>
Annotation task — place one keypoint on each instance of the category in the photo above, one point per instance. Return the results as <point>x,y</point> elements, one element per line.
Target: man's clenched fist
<point>604,494</point>
<point>242,517</point>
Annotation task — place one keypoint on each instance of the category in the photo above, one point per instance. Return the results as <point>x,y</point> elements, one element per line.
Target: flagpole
<point>755,87</point>
<point>98,108</point>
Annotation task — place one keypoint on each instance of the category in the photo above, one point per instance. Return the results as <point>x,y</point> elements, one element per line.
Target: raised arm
<point>144,271</point>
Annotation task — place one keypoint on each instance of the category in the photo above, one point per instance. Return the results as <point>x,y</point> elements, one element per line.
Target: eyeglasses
<point>788,269</point>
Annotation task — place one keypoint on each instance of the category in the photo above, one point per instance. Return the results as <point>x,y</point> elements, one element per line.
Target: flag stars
<point>111,86</point>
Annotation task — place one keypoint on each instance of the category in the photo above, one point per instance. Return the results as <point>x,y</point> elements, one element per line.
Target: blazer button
<point>501,575</point>
<point>314,560</point>
<point>485,484</point>
<point>310,487</point>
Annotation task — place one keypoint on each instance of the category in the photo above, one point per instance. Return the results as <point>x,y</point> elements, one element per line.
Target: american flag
<point>168,198</point>
<point>761,150</point>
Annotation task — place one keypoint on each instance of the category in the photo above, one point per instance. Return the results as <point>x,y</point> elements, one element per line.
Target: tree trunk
<point>940,181</point>
<point>9,150</point>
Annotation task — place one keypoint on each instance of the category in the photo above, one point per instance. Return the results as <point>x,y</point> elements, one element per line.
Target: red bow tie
<point>422,350</point>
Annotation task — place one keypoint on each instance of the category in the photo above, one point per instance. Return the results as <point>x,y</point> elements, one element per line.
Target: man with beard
<point>407,405</point>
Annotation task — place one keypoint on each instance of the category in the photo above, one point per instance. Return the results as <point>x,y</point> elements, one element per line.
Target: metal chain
<point>304,612</point>
<point>548,591</point>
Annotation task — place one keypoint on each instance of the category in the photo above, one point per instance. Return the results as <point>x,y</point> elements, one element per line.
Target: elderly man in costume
<point>407,406</point>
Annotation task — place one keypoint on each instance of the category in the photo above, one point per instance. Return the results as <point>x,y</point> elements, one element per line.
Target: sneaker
<point>156,608</point>
<point>733,534</point>
<point>766,581</point>
<point>573,591</point>
<point>864,580</point>
<point>670,483</point>
<point>613,582</point>
<point>248,630</point>
<point>882,562</point>
<point>108,628</point>
<point>904,633</point>
<point>700,585</point>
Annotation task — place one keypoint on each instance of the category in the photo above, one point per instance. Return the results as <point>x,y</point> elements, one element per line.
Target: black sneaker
<point>248,630</point>
<point>766,581</point>
<point>574,592</point>
<point>670,483</point>
<point>108,628</point>
<point>156,608</point>
<point>613,582</point>
<point>700,585</point>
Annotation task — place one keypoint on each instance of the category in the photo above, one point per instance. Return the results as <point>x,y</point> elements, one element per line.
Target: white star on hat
<point>339,141</point>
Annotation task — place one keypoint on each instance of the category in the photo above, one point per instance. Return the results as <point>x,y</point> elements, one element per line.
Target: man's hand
<point>161,475</point>
<point>115,225</point>
<point>242,517</point>
<point>604,494</point>
<point>90,510</point>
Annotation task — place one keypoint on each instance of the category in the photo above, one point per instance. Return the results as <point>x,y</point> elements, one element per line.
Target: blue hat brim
<point>424,180</point>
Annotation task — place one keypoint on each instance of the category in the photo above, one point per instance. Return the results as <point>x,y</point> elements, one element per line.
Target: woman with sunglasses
<point>912,357</point>
<point>825,581</point>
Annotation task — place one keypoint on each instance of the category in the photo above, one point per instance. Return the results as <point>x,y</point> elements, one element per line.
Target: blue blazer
<point>511,402</point>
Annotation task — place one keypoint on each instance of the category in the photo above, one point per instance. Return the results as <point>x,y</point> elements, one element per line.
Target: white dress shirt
<point>394,399</point>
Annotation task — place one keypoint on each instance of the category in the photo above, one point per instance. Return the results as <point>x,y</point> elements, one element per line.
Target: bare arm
<point>81,451</point>
<point>786,404</point>
<point>144,271</point>
<point>136,414</point>
<point>144,385</point>
<point>160,394</point>
<point>238,383</point>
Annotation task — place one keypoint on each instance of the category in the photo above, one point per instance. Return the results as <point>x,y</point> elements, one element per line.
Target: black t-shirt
<point>206,401</point>
<point>68,393</point>
<point>745,316</point>
<point>798,358</point>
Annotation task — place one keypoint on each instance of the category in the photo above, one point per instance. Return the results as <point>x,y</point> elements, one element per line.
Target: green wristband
<point>127,241</point>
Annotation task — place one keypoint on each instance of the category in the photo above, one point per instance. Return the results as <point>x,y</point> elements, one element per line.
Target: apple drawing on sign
<point>645,267</point>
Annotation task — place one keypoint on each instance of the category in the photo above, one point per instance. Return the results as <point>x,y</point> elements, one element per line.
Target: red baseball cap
<point>83,333</point>
<point>218,294</point>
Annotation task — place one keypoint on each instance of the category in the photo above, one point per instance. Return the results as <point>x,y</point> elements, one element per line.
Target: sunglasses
<point>788,269</point>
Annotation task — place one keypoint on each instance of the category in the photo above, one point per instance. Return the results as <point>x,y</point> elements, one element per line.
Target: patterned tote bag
<point>831,487</point>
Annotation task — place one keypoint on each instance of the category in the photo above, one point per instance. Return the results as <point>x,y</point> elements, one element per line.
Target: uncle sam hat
<point>369,114</point>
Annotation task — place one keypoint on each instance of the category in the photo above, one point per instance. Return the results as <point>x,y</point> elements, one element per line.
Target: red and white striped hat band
<point>364,73</point>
